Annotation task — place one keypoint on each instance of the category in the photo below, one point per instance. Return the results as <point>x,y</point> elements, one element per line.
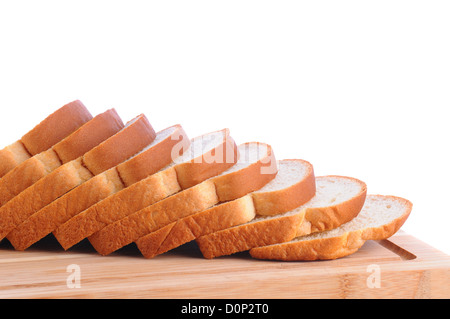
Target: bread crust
<point>30,171</point>
<point>117,206</point>
<point>47,219</point>
<point>149,219</point>
<point>56,127</point>
<point>244,237</point>
<point>333,247</point>
<point>184,230</point>
<point>26,174</point>
<point>63,179</point>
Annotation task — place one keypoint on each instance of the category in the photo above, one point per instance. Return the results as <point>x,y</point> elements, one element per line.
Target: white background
<point>358,88</point>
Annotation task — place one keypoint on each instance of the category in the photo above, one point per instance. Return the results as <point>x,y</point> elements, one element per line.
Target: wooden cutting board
<point>401,267</point>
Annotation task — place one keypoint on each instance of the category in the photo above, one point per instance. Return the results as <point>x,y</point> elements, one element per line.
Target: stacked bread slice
<point>147,162</point>
<point>83,140</point>
<point>130,139</point>
<point>235,182</point>
<point>184,172</point>
<point>81,177</point>
<point>293,186</point>
<point>336,200</point>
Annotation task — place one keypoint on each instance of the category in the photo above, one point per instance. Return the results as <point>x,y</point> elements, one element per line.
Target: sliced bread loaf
<point>337,200</point>
<point>47,133</point>
<point>244,177</point>
<point>131,139</point>
<point>186,170</point>
<point>380,218</point>
<point>293,186</point>
<point>147,162</point>
<point>75,145</point>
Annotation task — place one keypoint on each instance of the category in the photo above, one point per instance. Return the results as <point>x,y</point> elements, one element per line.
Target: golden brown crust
<point>244,237</point>
<point>137,134</point>
<point>276,202</point>
<point>88,136</point>
<point>12,156</point>
<point>251,178</point>
<point>153,159</point>
<point>56,127</point>
<point>332,247</point>
<point>117,206</point>
<point>35,197</point>
<point>26,174</point>
<point>149,219</point>
<point>85,138</point>
<point>209,164</point>
<point>318,249</point>
<point>319,219</point>
<point>186,229</point>
<point>44,221</point>
<point>151,244</point>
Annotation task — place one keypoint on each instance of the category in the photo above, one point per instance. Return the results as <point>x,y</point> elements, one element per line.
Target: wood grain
<point>408,268</point>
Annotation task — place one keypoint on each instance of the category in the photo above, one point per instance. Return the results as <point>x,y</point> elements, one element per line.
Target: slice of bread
<point>337,200</point>
<point>244,177</point>
<point>131,139</point>
<point>148,161</point>
<point>47,133</point>
<point>70,148</point>
<point>210,155</point>
<point>293,186</point>
<point>380,218</point>
<point>188,168</point>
